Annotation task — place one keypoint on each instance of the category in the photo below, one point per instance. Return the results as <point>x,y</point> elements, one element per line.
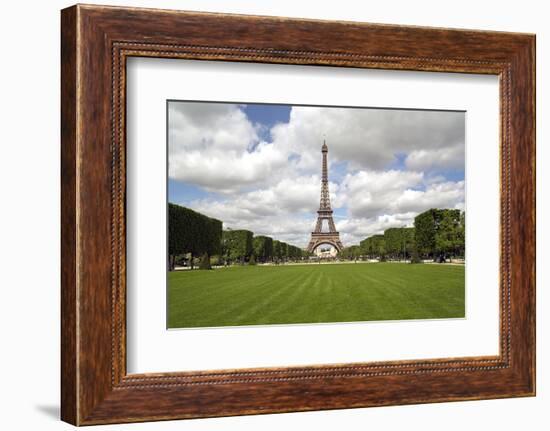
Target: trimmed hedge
<point>237,244</point>
<point>277,249</point>
<point>294,252</point>
<point>284,250</point>
<point>263,248</point>
<point>191,232</point>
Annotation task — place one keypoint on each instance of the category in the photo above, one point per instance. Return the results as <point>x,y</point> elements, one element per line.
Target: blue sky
<point>268,116</point>
<point>257,166</point>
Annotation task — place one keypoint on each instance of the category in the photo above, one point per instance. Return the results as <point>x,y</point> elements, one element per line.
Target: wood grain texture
<point>96,41</point>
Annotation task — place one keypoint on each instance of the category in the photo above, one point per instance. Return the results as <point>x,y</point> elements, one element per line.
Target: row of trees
<point>242,246</point>
<point>437,234</point>
<point>192,235</point>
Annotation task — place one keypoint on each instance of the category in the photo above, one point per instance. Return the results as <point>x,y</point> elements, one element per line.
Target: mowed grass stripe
<point>260,295</point>
<point>291,304</point>
<point>281,299</point>
<point>222,301</point>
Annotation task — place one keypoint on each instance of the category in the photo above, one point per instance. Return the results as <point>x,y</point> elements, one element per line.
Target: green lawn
<point>261,295</point>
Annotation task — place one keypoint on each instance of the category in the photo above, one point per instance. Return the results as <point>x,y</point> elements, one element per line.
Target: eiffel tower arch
<point>324,214</point>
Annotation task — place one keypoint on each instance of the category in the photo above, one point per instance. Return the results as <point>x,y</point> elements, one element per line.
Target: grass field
<point>260,295</point>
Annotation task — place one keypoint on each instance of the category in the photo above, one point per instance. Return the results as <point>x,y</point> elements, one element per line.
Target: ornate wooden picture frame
<point>96,41</point>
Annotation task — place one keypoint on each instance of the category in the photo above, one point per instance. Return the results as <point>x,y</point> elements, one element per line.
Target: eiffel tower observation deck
<point>324,215</point>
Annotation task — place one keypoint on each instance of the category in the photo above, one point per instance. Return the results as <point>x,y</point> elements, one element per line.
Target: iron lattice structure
<point>324,214</point>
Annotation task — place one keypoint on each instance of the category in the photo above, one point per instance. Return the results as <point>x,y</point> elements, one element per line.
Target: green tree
<point>374,247</point>
<point>365,247</point>
<point>284,251</point>
<point>415,257</point>
<point>399,242</point>
<point>439,232</point>
<point>408,242</point>
<point>277,253</point>
<point>177,243</point>
<point>352,252</point>
<point>237,244</point>
<point>449,236</point>
<point>213,237</point>
<point>190,232</point>
<point>205,262</point>
<point>262,248</point>
<point>424,225</point>
<point>461,235</point>
<point>294,253</point>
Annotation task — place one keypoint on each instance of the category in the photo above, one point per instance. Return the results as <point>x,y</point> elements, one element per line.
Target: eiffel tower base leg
<point>325,238</point>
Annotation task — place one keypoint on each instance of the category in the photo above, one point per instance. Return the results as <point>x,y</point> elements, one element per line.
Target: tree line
<point>242,246</point>
<point>438,234</point>
<point>192,235</point>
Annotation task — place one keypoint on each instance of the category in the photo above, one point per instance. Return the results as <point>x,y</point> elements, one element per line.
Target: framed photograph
<point>264,214</point>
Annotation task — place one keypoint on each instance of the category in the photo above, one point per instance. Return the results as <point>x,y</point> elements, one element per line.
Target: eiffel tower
<point>324,213</point>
